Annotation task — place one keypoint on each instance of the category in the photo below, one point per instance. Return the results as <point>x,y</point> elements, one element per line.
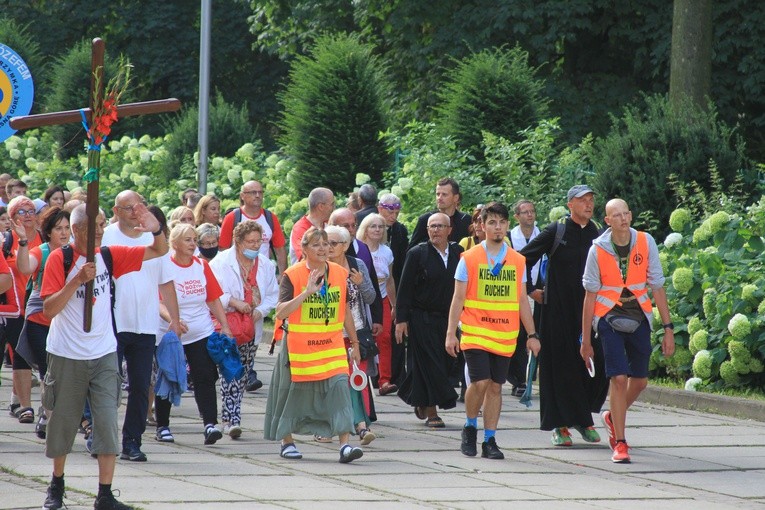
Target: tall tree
<point>691,63</point>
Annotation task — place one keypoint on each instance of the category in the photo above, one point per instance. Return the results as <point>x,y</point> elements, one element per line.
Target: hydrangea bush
<point>715,286</point>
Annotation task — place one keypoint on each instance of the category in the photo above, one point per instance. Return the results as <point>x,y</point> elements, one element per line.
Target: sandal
<point>13,410</point>
<point>435,422</point>
<point>419,412</point>
<point>366,436</point>
<point>322,439</point>
<point>164,435</point>
<point>290,451</point>
<point>25,415</point>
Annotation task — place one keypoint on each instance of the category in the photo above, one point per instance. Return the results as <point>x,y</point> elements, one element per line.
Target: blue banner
<point>17,89</point>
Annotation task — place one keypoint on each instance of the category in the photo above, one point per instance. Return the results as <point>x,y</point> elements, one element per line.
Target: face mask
<point>208,253</point>
<point>250,254</point>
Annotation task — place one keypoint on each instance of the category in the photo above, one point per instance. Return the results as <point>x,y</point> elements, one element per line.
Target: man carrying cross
<point>83,365</point>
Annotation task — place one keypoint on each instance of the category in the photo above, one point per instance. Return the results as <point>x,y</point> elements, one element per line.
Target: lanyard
<point>324,294</point>
<point>495,263</point>
<point>624,266</point>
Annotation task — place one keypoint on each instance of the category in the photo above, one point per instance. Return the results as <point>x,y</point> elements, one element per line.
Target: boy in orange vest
<point>621,266</point>
<point>490,301</point>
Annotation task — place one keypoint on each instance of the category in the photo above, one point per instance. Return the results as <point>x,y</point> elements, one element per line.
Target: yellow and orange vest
<point>315,338</point>
<point>491,313</point>
<point>611,280</point>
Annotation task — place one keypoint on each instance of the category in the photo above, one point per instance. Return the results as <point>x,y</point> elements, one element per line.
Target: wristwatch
<point>23,242</point>
<point>668,325</point>
<point>533,335</point>
<point>158,232</point>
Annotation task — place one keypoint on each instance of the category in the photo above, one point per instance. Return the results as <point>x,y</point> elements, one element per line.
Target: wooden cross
<point>65,117</point>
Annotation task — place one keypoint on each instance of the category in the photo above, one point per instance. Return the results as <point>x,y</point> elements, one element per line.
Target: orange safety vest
<point>491,313</point>
<point>611,280</point>
<point>315,337</point>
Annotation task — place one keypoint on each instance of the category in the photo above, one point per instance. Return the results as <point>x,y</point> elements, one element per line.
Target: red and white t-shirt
<point>20,279</point>
<point>271,238</point>
<point>195,286</point>
<point>66,337</point>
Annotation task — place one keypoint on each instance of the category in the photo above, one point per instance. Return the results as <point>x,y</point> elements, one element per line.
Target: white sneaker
<point>233,431</point>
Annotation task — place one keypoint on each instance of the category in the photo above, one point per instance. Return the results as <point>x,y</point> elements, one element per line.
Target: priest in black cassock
<point>567,394</point>
<point>422,313</point>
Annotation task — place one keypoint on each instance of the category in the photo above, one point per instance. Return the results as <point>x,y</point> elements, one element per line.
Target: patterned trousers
<point>231,393</point>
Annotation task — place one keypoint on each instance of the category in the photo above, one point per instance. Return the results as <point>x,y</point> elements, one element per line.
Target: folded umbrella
<point>531,368</point>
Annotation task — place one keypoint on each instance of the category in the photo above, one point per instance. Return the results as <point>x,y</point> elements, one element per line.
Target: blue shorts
<point>626,353</point>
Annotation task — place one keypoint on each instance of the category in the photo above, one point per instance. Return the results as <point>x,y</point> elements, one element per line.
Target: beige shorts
<point>67,385</point>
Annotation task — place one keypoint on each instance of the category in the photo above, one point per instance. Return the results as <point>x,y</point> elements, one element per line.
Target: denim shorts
<point>626,353</point>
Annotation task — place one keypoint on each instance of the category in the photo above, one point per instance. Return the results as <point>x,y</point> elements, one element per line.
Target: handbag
<point>367,345</point>
<point>241,325</point>
<point>622,323</point>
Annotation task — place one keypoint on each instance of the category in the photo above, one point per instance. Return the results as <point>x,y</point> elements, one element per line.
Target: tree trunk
<point>691,59</point>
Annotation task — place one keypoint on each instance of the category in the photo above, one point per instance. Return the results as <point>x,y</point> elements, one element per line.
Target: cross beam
<point>65,117</point>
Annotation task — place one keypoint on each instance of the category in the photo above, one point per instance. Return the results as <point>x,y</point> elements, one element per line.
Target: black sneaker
<point>55,497</point>
<point>469,438</point>
<point>131,451</point>
<point>108,502</point>
<point>253,383</point>
<point>212,435</point>
<point>490,450</point>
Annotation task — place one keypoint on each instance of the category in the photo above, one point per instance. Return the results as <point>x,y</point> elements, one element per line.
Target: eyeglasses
<point>377,226</point>
<point>437,226</point>
<point>391,207</point>
<point>528,213</point>
<point>24,212</point>
<point>253,192</point>
<point>208,244</point>
<point>127,208</point>
<point>334,244</point>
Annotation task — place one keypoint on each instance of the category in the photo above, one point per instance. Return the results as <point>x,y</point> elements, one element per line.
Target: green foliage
<point>649,144</point>
<point>334,110</point>
<point>228,129</point>
<point>493,91</point>
<point>535,167</point>
<point>716,289</point>
<point>426,157</point>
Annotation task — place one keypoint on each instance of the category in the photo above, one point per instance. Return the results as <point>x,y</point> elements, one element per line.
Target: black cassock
<point>567,393</point>
<point>423,300</point>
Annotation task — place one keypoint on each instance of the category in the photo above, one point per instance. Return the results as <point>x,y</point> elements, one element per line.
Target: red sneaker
<point>621,455</point>
<point>606,417</point>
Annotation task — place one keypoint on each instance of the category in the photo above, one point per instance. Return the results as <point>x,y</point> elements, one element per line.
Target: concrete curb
<point>706,402</point>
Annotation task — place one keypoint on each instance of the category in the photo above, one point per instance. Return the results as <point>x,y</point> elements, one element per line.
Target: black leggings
<point>204,374</point>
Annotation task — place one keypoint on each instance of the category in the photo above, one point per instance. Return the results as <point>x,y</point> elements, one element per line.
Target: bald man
<point>321,203</point>
<point>135,293</point>
<point>621,266</point>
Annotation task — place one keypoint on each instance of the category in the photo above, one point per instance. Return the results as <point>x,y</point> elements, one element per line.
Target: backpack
<point>7,243</point>
<point>560,230</point>
<point>106,254</point>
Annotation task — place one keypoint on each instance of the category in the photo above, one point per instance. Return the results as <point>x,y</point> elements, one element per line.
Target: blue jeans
<point>138,350</point>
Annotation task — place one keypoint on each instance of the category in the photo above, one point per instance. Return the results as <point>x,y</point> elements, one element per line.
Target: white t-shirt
<point>195,286</point>
<point>134,296</point>
<point>66,337</point>
<point>382,259</point>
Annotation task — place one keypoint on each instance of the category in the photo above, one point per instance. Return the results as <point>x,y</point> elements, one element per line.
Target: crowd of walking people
<point>447,315</point>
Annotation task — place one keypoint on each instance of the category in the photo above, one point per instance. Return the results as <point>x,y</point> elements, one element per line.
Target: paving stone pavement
<point>681,459</point>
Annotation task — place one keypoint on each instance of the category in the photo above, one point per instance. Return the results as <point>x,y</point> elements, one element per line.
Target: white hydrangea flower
<point>673,239</point>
